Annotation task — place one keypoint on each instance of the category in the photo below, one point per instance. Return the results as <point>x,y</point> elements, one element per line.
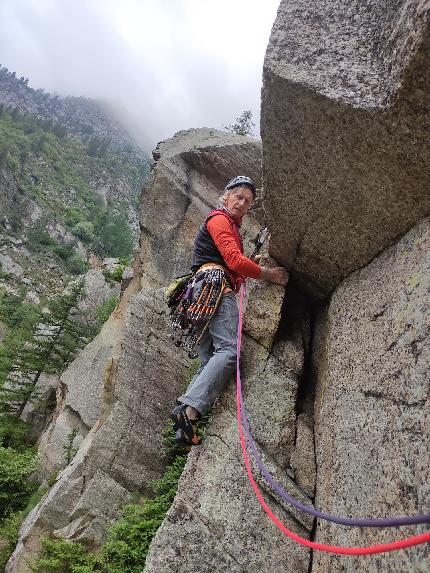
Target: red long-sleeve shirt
<point>220,231</point>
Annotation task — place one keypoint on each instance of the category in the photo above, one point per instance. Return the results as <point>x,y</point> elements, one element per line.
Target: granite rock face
<point>215,507</point>
<point>121,387</point>
<point>80,395</point>
<point>97,290</point>
<point>345,127</point>
<point>137,379</point>
<point>373,405</point>
<point>303,458</point>
<point>8,265</point>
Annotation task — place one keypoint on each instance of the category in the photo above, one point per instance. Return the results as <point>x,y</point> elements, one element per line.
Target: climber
<point>218,246</point>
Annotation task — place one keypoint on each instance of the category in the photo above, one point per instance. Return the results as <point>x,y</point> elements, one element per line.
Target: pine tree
<point>244,124</point>
<point>47,346</point>
<point>16,360</point>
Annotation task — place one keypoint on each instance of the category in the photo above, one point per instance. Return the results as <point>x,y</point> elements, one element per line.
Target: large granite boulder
<point>373,406</point>
<point>345,126</point>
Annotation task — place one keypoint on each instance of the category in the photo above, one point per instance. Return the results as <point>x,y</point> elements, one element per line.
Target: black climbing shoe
<point>184,428</point>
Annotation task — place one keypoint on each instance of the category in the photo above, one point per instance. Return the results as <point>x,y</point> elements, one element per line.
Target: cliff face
<point>119,391</point>
<point>345,120</point>
<point>372,405</point>
<point>345,117</point>
<point>215,507</point>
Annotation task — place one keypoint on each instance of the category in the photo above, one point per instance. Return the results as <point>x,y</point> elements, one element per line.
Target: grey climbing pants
<point>217,353</point>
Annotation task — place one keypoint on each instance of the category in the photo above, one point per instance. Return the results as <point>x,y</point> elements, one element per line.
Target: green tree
<point>38,235</point>
<point>114,235</point>
<point>59,130</point>
<point>63,332</point>
<point>97,146</point>
<point>84,230</point>
<point>244,124</point>
<point>16,360</point>
<point>76,265</point>
<point>17,370</point>
<point>42,346</point>
<point>65,251</point>
<point>15,487</point>
<point>60,555</point>
<point>104,311</point>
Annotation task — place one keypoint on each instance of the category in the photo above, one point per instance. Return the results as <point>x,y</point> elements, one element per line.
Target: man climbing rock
<point>219,262</point>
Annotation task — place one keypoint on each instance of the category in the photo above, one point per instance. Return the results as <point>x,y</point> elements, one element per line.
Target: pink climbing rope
<point>372,549</point>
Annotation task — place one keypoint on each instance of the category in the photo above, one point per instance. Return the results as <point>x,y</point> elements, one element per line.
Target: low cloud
<point>162,65</point>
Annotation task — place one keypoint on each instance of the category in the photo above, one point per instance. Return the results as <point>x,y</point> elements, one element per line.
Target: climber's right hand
<point>277,275</point>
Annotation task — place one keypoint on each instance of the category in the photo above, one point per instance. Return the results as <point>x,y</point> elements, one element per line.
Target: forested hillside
<point>69,186</point>
<point>70,180</point>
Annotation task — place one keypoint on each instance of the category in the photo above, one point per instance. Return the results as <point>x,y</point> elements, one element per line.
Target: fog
<point>161,65</point>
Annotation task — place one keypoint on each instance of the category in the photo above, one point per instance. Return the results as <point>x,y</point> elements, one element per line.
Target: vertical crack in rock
<point>298,321</point>
<point>305,416</point>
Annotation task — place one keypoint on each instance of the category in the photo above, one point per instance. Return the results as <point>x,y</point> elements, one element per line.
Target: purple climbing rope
<point>388,522</point>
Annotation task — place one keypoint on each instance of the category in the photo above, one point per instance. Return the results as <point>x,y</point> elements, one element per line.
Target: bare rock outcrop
<point>192,169</point>
<point>119,390</point>
<point>97,290</point>
<point>345,126</point>
<point>83,391</point>
<point>373,405</point>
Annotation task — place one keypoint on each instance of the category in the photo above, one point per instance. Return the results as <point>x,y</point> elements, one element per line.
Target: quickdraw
<point>259,241</point>
<point>197,303</point>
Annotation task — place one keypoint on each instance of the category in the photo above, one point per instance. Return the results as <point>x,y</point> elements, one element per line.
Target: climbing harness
<point>197,302</point>
<point>381,548</point>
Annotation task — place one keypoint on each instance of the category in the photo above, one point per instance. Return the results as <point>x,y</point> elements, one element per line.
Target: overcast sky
<point>166,64</point>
